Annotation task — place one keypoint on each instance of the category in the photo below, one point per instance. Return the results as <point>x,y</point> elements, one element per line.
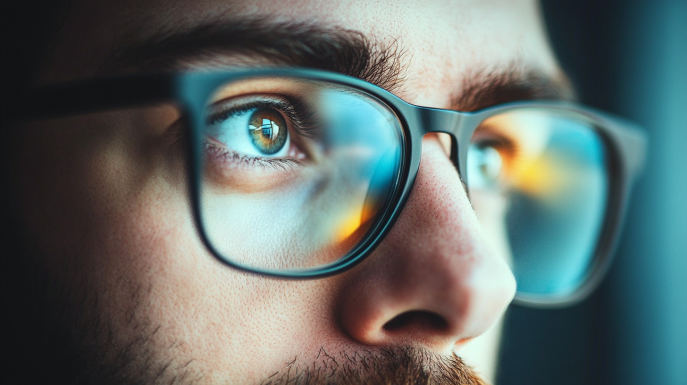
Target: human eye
<point>256,137</point>
<point>489,157</point>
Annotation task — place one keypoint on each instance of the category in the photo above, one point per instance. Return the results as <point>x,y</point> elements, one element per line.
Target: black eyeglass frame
<point>625,144</point>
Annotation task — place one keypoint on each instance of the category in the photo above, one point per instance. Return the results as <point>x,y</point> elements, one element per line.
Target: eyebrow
<point>217,44</point>
<point>488,87</point>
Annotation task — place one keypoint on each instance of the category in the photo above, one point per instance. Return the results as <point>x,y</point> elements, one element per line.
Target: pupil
<point>267,130</point>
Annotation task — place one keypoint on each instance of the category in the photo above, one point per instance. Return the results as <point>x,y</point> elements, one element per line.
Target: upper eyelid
<point>295,109</point>
<point>502,139</point>
<point>485,132</point>
<point>230,107</point>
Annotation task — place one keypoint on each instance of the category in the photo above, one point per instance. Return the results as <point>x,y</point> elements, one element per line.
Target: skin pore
<point>107,214</point>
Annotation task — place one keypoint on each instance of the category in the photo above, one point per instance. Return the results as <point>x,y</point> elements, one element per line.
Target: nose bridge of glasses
<point>438,120</point>
<point>455,123</point>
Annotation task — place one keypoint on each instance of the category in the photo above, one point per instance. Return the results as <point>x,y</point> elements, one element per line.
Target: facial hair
<point>397,366</point>
<point>57,335</point>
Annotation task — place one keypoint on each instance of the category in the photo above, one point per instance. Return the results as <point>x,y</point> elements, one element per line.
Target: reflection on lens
<point>268,130</point>
<point>295,173</point>
<point>550,191</point>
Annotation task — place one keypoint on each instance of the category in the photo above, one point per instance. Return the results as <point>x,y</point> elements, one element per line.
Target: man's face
<point>108,207</point>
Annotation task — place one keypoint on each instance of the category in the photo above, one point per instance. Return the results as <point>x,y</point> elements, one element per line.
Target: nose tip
<point>434,280</point>
<point>437,308</point>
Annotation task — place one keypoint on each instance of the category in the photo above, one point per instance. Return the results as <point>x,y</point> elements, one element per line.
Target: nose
<point>434,280</point>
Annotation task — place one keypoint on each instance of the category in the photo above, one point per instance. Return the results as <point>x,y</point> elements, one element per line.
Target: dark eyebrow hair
<point>293,44</point>
<point>302,44</point>
<point>516,81</point>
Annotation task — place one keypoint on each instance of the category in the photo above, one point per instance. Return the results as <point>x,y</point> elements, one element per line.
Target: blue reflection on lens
<point>553,236</point>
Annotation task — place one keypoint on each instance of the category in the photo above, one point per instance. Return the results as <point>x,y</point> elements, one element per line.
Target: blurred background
<point>629,58</point>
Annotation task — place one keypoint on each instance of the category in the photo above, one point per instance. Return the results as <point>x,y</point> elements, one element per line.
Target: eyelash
<point>296,111</point>
<point>251,161</point>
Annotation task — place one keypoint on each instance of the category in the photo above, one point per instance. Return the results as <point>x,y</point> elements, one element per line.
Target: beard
<point>398,366</point>
<point>55,333</point>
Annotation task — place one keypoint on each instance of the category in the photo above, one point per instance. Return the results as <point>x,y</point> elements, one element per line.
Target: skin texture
<point>107,211</point>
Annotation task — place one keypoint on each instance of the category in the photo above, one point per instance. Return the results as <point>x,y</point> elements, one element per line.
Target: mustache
<point>393,366</point>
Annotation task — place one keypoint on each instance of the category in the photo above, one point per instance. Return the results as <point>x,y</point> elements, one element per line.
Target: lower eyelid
<point>238,160</point>
<point>228,172</point>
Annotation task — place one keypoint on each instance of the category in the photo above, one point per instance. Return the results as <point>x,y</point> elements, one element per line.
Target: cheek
<point>110,208</point>
<point>224,320</point>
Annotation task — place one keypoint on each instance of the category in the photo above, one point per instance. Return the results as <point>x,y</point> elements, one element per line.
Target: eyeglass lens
<point>538,181</point>
<point>297,173</point>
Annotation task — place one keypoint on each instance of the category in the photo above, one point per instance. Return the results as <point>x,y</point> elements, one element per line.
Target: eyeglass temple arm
<point>633,142</point>
<point>636,145</point>
<point>81,97</point>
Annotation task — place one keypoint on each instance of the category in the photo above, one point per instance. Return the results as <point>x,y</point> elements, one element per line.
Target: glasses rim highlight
<point>191,91</point>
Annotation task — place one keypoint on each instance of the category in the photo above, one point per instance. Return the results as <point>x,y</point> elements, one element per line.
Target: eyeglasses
<point>301,173</point>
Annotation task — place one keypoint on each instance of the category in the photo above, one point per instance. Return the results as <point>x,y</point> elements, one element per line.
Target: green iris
<point>268,130</point>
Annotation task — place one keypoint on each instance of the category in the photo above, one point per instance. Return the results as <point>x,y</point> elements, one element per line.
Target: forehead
<point>443,41</point>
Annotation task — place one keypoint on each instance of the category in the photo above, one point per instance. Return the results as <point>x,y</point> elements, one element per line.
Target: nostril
<point>421,319</point>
